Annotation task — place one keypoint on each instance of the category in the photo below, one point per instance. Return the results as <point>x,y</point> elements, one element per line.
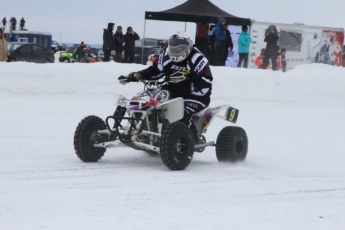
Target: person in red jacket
<point>259,59</point>
<point>281,60</point>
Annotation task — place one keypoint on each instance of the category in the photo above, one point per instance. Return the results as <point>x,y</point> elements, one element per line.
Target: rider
<point>181,55</point>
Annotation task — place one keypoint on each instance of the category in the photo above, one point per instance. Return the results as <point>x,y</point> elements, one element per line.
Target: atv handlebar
<point>173,78</point>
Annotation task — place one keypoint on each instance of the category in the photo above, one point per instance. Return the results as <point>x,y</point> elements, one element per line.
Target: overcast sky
<point>76,20</point>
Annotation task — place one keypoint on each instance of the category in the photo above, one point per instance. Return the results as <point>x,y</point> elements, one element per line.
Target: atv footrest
<point>199,146</point>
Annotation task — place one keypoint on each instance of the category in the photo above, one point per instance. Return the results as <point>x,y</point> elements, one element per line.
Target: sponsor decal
<point>200,66</point>
<point>178,68</point>
<point>192,105</point>
<point>160,60</point>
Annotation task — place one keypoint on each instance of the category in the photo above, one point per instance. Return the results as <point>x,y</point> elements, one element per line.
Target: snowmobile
<point>150,121</point>
<point>91,56</point>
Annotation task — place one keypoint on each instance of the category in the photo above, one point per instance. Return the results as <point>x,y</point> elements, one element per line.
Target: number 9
<point>232,115</point>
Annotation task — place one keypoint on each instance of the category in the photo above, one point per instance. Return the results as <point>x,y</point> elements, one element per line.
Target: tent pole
<point>143,43</point>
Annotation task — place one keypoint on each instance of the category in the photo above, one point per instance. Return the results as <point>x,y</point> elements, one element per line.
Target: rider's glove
<point>191,75</point>
<point>132,77</point>
<point>184,75</point>
<point>123,79</point>
<point>136,76</point>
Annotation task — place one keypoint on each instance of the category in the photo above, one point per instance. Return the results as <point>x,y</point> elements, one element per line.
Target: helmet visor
<point>177,50</point>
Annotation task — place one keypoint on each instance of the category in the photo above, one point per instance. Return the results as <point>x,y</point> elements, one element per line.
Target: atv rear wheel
<point>176,146</point>
<point>232,144</point>
<point>86,136</point>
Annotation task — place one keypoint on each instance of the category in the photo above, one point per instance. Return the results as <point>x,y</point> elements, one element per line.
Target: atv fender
<point>173,109</point>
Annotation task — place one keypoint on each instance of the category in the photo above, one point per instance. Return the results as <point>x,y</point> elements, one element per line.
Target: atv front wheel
<point>232,144</point>
<point>176,146</point>
<point>86,136</point>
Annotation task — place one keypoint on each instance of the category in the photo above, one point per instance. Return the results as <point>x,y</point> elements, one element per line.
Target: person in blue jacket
<point>219,45</point>
<point>244,41</point>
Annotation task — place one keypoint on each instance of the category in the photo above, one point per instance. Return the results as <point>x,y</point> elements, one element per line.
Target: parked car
<point>75,45</point>
<point>67,56</point>
<point>56,46</point>
<point>29,52</point>
<point>64,47</point>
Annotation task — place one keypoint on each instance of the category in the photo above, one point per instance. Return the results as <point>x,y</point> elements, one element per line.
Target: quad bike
<point>90,56</point>
<point>150,121</point>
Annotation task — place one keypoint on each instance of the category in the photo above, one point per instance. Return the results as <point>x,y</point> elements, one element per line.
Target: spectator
<point>228,43</point>
<point>324,52</point>
<point>3,47</point>
<point>281,60</point>
<point>22,23</point>
<point>108,41</point>
<point>118,36</point>
<point>210,38</point>
<point>219,44</point>
<point>259,59</point>
<point>11,24</point>
<point>244,41</point>
<point>271,38</point>
<point>14,23</point>
<point>129,44</point>
<point>336,53</point>
<point>4,22</point>
<point>79,53</point>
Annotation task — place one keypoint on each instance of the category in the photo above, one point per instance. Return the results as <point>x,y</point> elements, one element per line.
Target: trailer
<point>41,38</point>
<point>303,43</point>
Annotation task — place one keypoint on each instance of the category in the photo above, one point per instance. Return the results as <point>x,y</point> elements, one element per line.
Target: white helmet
<point>179,45</point>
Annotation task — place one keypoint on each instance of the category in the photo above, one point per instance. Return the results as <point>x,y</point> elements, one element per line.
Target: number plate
<point>231,114</point>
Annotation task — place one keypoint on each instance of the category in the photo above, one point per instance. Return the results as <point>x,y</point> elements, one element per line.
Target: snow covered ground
<point>293,177</point>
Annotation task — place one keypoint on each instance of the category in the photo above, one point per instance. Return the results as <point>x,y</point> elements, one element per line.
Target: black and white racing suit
<point>196,90</point>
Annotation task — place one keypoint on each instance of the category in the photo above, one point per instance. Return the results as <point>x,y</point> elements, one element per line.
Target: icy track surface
<point>293,177</point>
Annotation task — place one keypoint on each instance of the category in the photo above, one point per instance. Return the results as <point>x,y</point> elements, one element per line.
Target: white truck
<point>303,43</point>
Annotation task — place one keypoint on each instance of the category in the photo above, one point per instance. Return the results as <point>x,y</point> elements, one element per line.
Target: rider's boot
<point>195,133</point>
<point>198,139</point>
